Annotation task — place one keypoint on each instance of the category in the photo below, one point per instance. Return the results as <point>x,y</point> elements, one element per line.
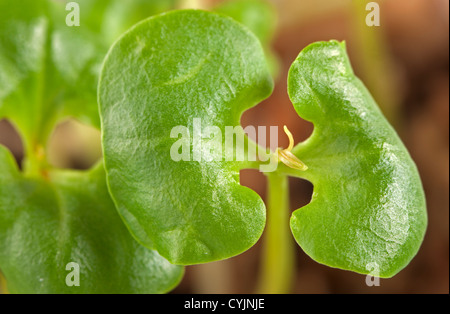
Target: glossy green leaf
<point>165,72</point>
<point>68,217</point>
<point>368,211</point>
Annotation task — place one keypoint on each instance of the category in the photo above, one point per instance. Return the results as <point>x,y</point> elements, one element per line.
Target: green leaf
<point>68,217</point>
<point>368,210</point>
<point>165,72</point>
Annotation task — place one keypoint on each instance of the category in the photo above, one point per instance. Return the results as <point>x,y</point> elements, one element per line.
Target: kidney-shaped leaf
<point>63,235</point>
<point>191,69</point>
<point>368,211</point>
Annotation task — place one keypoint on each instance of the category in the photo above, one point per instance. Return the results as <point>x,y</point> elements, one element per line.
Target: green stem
<point>34,143</point>
<point>34,162</point>
<point>278,257</point>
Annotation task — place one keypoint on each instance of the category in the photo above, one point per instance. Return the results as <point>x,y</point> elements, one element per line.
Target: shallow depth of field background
<point>405,64</point>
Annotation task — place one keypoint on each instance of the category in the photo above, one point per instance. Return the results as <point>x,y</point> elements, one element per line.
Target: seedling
<point>368,204</point>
